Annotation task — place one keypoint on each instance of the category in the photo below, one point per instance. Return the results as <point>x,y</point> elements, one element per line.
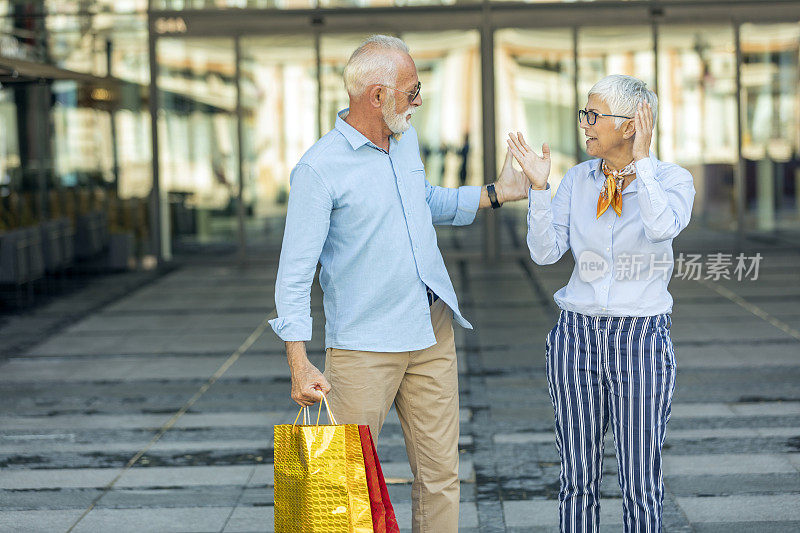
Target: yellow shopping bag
<point>320,478</point>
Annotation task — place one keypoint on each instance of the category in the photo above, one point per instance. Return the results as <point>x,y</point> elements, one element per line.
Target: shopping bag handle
<point>305,412</point>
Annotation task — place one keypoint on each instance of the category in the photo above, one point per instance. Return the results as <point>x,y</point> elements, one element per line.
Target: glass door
<point>614,50</point>
<point>534,94</point>
<point>198,142</point>
<point>697,115</point>
<point>771,126</point>
<point>280,117</point>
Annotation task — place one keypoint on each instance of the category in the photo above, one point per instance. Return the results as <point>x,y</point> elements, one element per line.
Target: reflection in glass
<point>534,93</point>
<point>83,153</point>
<point>771,124</point>
<point>86,44</point>
<point>10,164</point>
<point>295,4</point>
<point>279,99</point>
<point>697,114</point>
<point>233,4</point>
<point>197,137</point>
<point>449,121</point>
<point>613,50</point>
<point>335,51</point>
<point>95,6</point>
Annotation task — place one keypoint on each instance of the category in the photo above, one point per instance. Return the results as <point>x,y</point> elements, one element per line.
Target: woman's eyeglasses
<point>591,116</point>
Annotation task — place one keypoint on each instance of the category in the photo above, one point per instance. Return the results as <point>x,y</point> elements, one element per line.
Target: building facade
<point>179,121</point>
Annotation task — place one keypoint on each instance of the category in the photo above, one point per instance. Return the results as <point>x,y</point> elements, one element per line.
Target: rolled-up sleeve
<point>548,222</point>
<point>665,200</point>
<point>456,207</point>
<point>307,223</point>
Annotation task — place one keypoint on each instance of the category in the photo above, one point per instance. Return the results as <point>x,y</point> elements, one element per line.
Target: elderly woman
<point>610,357</point>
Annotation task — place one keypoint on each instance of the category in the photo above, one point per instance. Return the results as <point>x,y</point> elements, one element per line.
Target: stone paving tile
<point>715,464</point>
<point>106,383</point>
<point>188,421</point>
<point>537,513</point>
<point>733,484</point>
<point>734,409</point>
<point>749,527</point>
<point>251,519</point>
<point>44,521</point>
<point>164,520</point>
<point>756,508</point>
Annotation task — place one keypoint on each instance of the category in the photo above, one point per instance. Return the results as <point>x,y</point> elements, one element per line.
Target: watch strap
<point>493,196</point>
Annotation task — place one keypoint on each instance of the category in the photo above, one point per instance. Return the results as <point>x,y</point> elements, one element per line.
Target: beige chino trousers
<point>423,385</point>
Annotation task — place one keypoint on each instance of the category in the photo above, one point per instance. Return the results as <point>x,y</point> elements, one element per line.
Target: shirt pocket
<point>416,176</point>
<point>416,187</point>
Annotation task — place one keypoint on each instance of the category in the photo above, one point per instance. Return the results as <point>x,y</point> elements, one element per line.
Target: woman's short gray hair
<point>623,94</point>
<point>372,63</point>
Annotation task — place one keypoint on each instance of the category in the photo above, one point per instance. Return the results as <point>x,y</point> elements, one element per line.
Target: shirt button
<point>608,249</point>
<point>609,226</point>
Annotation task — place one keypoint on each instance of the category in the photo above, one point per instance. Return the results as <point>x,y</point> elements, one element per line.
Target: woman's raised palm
<point>536,167</point>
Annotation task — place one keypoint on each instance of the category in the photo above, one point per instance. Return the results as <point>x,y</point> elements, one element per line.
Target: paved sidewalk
<point>80,403</point>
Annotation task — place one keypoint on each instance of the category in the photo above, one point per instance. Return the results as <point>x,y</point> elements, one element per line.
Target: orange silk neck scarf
<point>611,193</point>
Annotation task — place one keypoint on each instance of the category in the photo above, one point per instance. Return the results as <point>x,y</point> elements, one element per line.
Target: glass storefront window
<point>287,104</point>
<point>549,1</point>
<point>95,6</point>
<point>448,123</point>
<point>296,4</point>
<point>697,114</point>
<point>129,54</point>
<point>613,50</point>
<point>233,4</point>
<point>335,51</point>
<point>82,138</point>
<point>10,164</point>
<point>87,44</point>
<point>770,102</point>
<point>134,150</point>
<point>198,139</point>
<point>279,101</point>
<point>534,88</point>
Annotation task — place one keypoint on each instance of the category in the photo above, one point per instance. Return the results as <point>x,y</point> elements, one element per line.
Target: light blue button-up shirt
<point>367,216</point>
<point>622,264</point>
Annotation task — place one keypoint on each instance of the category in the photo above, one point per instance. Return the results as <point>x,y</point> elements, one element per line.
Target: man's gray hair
<point>623,94</point>
<point>373,63</point>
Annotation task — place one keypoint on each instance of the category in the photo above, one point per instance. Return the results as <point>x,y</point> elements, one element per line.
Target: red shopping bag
<point>383,519</point>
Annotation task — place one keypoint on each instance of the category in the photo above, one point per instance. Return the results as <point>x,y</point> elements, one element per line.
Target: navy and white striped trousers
<point>617,369</point>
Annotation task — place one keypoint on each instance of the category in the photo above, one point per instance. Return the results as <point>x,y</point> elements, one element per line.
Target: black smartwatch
<point>493,196</point>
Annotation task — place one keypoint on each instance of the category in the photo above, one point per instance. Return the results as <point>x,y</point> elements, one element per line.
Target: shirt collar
<point>595,172</point>
<point>353,136</point>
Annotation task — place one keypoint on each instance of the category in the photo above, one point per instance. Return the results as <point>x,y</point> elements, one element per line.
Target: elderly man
<point>361,206</point>
<point>610,357</point>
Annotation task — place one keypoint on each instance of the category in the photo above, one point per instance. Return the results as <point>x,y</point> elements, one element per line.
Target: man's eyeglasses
<point>413,94</point>
<point>591,116</point>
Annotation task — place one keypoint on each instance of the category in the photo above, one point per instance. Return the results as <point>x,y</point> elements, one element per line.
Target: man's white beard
<point>397,122</point>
